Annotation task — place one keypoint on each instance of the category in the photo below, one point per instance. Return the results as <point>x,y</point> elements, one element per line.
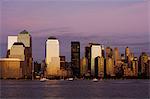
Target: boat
<point>43,79</point>
<point>70,79</point>
<point>95,80</point>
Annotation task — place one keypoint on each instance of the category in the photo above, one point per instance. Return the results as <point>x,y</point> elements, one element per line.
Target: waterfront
<point>77,89</point>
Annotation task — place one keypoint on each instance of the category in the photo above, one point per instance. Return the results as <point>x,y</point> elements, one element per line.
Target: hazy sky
<point>110,22</point>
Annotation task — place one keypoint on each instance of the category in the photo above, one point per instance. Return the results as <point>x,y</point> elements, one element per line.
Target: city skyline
<point>96,62</point>
<point>112,23</point>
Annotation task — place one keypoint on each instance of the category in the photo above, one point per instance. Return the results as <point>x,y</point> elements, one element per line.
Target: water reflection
<point>75,89</point>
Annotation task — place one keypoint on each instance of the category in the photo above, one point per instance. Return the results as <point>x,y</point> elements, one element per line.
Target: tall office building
<point>92,51</point>
<point>62,62</point>
<point>75,57</point>
<point>17,51</point>
<point>127,53</point>
<point>52,56</point>
<point>109,52</point>
<point>11,41</point>
<point>99,67</point>
<point>103,51</point>
<point>110,67</point>
<point>116,55</point>
<point>26,39</point>
<point>96,50</point>
<point>88,56</point>
<point>83,66</point>
<point>144,65</point>
<point>135,66</point>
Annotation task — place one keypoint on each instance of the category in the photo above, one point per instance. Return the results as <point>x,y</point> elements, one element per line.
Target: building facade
<point>11,68</point>
<point>83,66</point>
<point>52,56</point>
<point>11,41</point>
<point>144,65</point>
<point>110,67</point>
<point>22,49</point>
<point>96,50</point>
<point>99,67</point>
<point>75,57</point>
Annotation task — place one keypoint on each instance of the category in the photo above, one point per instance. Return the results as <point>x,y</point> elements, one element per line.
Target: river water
<point>77,89</point>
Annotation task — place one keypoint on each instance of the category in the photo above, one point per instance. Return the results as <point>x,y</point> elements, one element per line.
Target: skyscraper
<point>17,47</point>
<point>144,65</point>
<point>88,56</point>
<point>52,56</point>
<point>99,67</point>
<point>109,52</point>
<point>62,62</point>
<point>21,47</point>
<point>18,51</point>
<point>116,55</point>
<point>92,51</point>
<point>26,39</point>
<point>127,53</point>
<point>83,66</point>
<point>110,67</point>
<point>75,57</point>
<point>135,66</point>
<point>96,50</point>
<point>103,51</point>
<point>11,41</point>
<point>109,62</point>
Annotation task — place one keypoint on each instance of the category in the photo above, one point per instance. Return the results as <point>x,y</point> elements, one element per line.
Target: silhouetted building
<point>62,62</point>
<point>88,56</point>
<point>75,57</point>
<point>43,69</point>
<point>99,67</point>
<point>103,51</point>
<point>37,69</point>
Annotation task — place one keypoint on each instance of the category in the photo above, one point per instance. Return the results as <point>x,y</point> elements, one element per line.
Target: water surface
<point>77,89</point>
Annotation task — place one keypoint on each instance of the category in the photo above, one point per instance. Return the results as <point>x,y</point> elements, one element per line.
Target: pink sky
<point>88,18</point>
<point>108,19</point>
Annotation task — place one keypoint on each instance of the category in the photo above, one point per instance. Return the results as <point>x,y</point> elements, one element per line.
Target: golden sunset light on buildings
<point>10,68</point>
<point>11,41</point>
<point>52,56</point>
<point>96,50</point>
